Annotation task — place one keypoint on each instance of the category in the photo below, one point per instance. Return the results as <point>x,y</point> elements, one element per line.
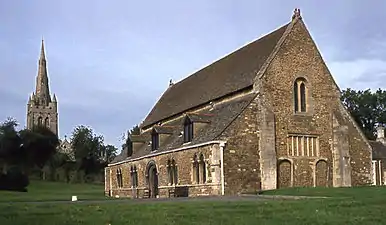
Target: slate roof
<point>232,73</point>
<point>217,120</point>
<point>379,150</point>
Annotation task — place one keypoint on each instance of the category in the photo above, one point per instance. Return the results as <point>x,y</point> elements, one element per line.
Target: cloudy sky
<point>109,61</point>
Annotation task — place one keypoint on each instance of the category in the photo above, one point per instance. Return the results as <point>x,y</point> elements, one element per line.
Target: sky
<point>109,61</point>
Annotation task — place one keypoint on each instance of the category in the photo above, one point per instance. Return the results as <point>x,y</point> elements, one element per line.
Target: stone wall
<point>185,184</point>
<point>35,111</point>
<point>298,57</point>
<point>241,156</point>
<point>269,145</point>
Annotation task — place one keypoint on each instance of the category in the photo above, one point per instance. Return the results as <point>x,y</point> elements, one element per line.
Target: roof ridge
<point>276,49</point>
<point>229,53</point>
<point>227,75</point>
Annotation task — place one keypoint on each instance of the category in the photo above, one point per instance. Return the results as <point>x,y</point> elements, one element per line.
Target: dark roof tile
<point>223,115</point>
<point>232,73</point>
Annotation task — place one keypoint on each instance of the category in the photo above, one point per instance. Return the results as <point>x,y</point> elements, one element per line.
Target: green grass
<point>53,191</point>
<point>351,192</point>
<point>363,205</point>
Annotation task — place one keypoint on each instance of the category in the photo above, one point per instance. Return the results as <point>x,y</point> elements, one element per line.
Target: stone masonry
<point>267,116</point>
<point>41,108</point>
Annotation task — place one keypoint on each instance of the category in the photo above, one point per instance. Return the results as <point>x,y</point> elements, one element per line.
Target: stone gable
<point>286,128</point>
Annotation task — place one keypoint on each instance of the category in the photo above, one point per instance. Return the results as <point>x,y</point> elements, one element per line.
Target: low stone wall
<point>169,191</point>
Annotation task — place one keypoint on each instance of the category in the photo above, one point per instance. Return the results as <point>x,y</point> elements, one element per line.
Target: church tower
<point>41,108</point>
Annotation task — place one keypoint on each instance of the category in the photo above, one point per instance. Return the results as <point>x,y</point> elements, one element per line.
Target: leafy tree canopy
<point>367,108</point>
<point>91,153</point>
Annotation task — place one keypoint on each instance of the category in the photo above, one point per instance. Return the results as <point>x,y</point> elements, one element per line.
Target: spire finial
<point>42,52</point>
<point>42,91</point>
<point>296,14</point>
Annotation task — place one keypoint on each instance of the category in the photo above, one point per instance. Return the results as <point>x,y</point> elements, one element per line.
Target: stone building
<point>65,147</point>
<point>379,157</point>
<point>41,108</point>
<point>266,116</point>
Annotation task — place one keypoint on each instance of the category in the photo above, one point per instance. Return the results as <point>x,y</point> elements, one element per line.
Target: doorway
<point>152,180</point>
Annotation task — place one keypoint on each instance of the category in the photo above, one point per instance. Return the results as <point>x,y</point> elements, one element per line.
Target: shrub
<point>14,180</point>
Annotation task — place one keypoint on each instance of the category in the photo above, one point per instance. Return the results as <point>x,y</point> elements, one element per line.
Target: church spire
<point>42,52</point>
<point>42,88</point>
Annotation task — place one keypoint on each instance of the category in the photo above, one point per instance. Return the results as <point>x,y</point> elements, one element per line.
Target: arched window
<point>154,140</point>
<point>170,175</point>
<point>188,130</point>
<point>134,176</point>
<point>47,122</point>
<point>195,168</point>
<point>175,172</point>
<point>119,178</point>
<point>172,172</point>
<point>300,95</point>
<point>40,121</point>
<point>202,169</point>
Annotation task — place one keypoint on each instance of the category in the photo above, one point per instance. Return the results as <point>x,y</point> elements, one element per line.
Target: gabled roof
<point>223,115</point>
<point>232,73</point>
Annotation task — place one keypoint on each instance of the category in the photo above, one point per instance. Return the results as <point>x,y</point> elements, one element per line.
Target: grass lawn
<point>353,192</point>
<point>51,191</point>
<point>364,205</point>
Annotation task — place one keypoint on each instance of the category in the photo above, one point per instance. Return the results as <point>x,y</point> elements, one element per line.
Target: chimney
<point>381,134</point>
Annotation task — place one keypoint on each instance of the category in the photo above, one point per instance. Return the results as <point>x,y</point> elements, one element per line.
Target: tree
<point>109,152</point>
<point>91,154</point>
<point>57,161</point>
<point>21,150</point>
<point>367,108</point>
<point>85,143</point>
<point>39,144</point>
<point>10,144</point>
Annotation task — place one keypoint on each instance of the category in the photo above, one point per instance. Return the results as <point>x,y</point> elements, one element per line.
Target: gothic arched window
<point>154,140</point>
<point>300,95</point>
<point>134,176</point>
<point>202,169</point>
<point>47,122</point>
<point>40,121</point>
<point>195,168</point>
<point>172,172</point>
<point>188,130</point>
